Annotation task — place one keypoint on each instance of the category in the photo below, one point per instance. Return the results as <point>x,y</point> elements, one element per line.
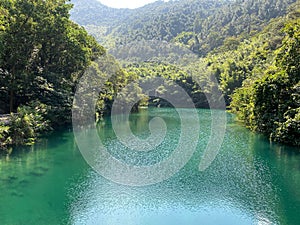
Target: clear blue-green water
<point>250,182</point>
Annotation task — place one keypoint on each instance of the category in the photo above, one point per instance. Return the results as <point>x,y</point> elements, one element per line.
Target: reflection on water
<point>250,182</point>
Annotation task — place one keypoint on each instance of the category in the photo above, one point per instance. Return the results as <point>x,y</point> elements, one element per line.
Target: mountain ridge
<point>200,25</point>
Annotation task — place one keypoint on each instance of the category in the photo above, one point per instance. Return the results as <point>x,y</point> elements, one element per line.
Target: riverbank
<point>27,126</point>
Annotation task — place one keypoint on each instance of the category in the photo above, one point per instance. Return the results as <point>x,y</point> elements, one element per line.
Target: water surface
<point>250,182</point>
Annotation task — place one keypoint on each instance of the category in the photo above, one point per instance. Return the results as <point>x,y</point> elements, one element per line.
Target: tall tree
<point>43,51</point>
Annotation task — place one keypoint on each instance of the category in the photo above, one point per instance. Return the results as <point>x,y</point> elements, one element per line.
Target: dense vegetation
<point>271,103</point>
<point>251,47</point>
<point>201,25</point>
<point>260,78</point>
<point>43,54</point>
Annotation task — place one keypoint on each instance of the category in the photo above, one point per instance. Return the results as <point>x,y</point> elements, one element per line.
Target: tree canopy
<point>250,47</point>
<point>43,53</point>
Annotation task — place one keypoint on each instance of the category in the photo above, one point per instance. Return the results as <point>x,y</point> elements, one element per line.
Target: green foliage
<point>244,46</point>
<point>4,134</point>
<point>211,22</point>
<point>28,124</point>
<point>288,56</point>
<point>171,74</point>
<point>270,96</point>
<point>270,104</point>
<point>288,132</point>
<point>233,67</point>
<point>43,54</point>
<point>242,105</point>
<point>184,38</point>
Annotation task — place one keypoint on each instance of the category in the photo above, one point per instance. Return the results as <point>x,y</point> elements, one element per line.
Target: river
<point>250,182</point>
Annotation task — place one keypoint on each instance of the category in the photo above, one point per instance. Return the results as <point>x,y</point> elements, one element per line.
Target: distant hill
<point>201,25</point>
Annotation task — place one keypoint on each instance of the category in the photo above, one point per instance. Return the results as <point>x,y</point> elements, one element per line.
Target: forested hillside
<point>251,47</point>
<point>201,25</point>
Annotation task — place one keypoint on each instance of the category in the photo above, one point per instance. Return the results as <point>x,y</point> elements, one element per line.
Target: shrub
<point>28,124</point>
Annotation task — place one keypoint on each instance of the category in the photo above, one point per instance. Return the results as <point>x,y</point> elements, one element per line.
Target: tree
<point>43,52</point>
<point>271,104</point>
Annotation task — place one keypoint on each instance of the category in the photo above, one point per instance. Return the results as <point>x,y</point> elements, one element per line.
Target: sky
<point>126,3</point>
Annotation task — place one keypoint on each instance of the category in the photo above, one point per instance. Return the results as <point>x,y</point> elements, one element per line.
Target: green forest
<point>252,47</point>
<point>42,55</point>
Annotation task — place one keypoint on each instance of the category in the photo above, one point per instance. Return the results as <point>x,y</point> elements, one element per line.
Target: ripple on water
<point>244,185</point>
<point>233,190</point>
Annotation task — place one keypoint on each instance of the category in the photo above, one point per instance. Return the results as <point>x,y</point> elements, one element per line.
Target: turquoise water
<point>250,182</point>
